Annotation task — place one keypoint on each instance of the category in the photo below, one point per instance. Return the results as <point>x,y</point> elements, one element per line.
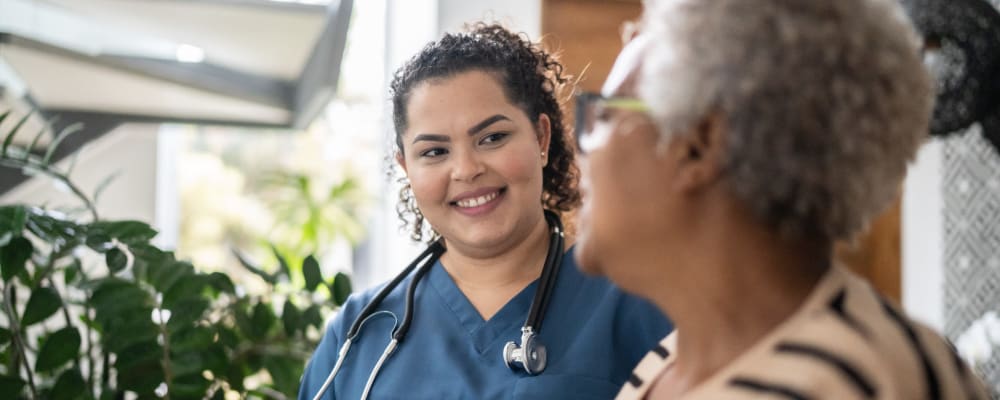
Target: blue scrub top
<point>594,333</point>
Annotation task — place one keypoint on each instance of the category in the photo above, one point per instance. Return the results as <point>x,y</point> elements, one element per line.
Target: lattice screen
<point>971,188</point>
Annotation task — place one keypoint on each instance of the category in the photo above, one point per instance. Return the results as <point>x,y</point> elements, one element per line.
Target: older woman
<point>734,143</point>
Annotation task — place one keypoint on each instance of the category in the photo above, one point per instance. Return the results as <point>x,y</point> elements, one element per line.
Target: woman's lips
<point>479,204</point>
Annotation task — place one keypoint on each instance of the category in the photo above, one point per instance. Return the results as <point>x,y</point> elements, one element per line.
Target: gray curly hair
<point>825,102</point>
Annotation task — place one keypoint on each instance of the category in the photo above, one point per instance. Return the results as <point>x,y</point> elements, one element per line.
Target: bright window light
<point>189,54</point>
<point>310,2</point>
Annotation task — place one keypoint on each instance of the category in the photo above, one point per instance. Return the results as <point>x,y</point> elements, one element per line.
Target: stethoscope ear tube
<point>434,250</point>
<point>550,270</point>
<point>437,248</point>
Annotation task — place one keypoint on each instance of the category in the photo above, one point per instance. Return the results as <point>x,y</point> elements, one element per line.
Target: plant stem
<point>48,170</point>
<point>65,312</point>
<point>10,293</point>
<point>168,375</point>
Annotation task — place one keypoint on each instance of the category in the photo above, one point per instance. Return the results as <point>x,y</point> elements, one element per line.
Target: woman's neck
<point>490,281</point>
<point>727,300</point>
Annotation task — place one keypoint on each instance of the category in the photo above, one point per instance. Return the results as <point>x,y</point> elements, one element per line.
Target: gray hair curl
<point>825,101</point>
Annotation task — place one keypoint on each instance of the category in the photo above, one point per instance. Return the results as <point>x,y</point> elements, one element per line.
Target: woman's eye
<point>435,152</point>
<point>603,114</point>
<point>494,138</point>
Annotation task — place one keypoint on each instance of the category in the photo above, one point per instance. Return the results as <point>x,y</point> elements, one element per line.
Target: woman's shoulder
<point>857,341</point>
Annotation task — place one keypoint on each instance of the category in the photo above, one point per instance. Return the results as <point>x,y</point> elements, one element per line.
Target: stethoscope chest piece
<point>530,355</point>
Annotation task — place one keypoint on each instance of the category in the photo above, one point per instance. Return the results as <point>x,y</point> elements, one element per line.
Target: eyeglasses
<point>592,109</point>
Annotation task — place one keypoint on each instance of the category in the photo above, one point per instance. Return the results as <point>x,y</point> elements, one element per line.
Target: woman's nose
<point>467,166</point>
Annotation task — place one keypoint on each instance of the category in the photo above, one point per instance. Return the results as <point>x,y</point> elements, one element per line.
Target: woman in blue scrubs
<point>480,136</point>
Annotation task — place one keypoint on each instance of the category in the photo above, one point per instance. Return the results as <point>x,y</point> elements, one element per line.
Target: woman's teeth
<point>478,201</point>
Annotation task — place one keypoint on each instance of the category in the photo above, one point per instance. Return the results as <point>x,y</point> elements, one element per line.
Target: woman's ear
<point>544,130</point>
<point>401,160</point>
<point>699,154</point>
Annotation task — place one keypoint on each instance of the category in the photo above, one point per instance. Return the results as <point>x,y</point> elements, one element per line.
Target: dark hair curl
<point>532,78</point>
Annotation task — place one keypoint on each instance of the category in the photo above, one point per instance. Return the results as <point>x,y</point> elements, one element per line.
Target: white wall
<point>923,238</point>
<point>128,151</point>
<point>519,15</point>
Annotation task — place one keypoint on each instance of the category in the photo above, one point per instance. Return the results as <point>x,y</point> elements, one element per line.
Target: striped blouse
<point>845,342</point>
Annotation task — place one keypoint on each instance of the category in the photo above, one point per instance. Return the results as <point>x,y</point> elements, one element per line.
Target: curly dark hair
<point>532,78</point>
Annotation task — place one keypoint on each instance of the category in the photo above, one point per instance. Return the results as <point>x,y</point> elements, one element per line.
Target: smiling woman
<point>479,134</point>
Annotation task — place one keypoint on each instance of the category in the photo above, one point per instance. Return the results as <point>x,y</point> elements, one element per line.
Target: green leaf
<point>310,270</point>
<point>187,287</point>
<point>13,132</point>
<point>99,242</point>
<point>69,386</point>
<point>11,387</point>
<point>53,227</point>
<point>13,257</point>
<point>71,272</point>
<point>115,296</point>
<point>69,130</point>
<point>104,185</point>
<point>282,263</point>
<point>221,283</point>
<point>191,339</point>
<point>313,317</point>
<point>343,189</point>
<point>128,232</point>
<point>291,318</point>
<point>263,319</point>
<point>129,327</point>
<point>243,322</point>
<point>34,142</point>
<point>190,386</point>
<point>4,336</point>
<point>12,219</point>
<point>186,312</point>
<point>138,354</point>
<point>169,274</point>
<point>228,336</point>
<point>148,261</point>
<point>250,266</point>
<point>60,347</point>
<point>139,368</point>
<point>186,363</point>
<point>44,302</point>
<point>116,260</point>
<point>285,372</point>
<point>341,288</point>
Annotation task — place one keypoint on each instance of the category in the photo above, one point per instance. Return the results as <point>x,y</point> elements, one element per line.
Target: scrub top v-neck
<point>594,333</point>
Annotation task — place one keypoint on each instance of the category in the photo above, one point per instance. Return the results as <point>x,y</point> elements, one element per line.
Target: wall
<point>129,152</point>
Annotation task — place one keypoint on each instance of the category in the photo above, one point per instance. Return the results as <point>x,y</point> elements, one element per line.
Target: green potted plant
<point>92,309</point>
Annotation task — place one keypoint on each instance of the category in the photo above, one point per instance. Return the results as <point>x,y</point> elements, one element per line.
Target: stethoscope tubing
<point>433,251</point>
<point>425,261</point>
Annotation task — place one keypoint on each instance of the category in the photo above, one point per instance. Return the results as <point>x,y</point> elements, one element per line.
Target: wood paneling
<point>586,34</point>
<point>877,255</point>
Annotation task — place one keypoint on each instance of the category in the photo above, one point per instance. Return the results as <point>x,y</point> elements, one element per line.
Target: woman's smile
<point>479,202</point>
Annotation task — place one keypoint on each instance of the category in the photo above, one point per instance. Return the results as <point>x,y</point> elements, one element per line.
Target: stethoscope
<point>530,355</point>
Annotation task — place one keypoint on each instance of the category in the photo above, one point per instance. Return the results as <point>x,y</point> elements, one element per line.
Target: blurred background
<point>258,132</point>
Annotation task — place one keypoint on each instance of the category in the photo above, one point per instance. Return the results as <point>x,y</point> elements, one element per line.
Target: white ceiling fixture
<point>239,62</point>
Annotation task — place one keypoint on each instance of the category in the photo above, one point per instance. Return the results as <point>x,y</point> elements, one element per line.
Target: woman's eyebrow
<point>487,122</point>
<point>431,137</point>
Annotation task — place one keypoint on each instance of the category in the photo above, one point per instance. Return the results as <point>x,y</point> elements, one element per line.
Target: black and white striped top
<point>845,342</point>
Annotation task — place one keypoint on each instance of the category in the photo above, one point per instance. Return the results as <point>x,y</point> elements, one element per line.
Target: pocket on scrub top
<point>564,387</point>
